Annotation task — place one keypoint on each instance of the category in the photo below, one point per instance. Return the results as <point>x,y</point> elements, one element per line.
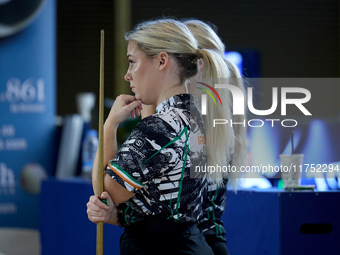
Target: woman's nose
<point>127,76</point>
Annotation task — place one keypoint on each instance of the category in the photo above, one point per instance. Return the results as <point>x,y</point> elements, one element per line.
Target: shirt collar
<point>177,101</point>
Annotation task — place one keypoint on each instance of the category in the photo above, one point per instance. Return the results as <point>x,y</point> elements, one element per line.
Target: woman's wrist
<point>110,126</point>
<point>113,219</point>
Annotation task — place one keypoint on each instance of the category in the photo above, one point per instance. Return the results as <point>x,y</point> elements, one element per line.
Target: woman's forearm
<point>110,150</point>
<point>124,106</point>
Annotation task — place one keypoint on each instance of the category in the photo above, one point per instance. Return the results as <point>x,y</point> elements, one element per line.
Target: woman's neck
<point>170,82</point>
<point>171,91</point>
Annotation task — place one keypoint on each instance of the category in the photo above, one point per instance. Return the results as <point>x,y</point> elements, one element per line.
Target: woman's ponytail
<point>220,139</point>
<point>240,131</point>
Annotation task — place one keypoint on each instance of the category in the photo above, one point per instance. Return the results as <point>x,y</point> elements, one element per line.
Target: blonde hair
<point>229,142</point>
<point>175,38</point>
<point>170,36</point>
<point>205,36</point>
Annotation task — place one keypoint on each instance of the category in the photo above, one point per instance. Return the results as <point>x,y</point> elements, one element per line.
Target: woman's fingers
<point>95,217</point>
<point>135,112</point>
<point>104,195</point>
<point>124,107</point>
<point>95,200</point>
<point>133,107</point>
<point>96,210</point>
<point>126,99</point>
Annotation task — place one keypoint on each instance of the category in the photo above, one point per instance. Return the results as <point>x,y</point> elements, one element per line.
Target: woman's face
<point>142,74</point>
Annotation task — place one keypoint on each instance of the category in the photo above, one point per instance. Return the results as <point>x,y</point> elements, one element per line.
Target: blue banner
<point>27,107</point>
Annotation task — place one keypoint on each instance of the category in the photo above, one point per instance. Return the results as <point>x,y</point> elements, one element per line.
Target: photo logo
<point>204,97</point>
<point>240,101</point>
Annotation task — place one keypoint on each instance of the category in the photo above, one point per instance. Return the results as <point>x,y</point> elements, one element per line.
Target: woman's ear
<point>200,64</point>
<point>163,60</point>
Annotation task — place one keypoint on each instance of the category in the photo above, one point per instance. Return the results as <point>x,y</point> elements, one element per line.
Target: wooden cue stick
<point>100,183</point>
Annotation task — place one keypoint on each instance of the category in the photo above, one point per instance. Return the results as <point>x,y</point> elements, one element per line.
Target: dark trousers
<point>217,245</point>
<point>158,236</point>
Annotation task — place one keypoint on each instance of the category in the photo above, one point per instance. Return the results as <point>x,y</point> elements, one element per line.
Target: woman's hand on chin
<point>124,106</point>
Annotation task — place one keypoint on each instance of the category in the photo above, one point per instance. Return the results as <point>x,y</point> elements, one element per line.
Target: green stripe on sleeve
<point>127,175</point>
<point>183,169</point>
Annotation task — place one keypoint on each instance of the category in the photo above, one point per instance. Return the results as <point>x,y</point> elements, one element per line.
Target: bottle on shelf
<point>89,149</point>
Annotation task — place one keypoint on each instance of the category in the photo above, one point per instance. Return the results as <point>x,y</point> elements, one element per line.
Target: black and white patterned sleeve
<point>147,153</point>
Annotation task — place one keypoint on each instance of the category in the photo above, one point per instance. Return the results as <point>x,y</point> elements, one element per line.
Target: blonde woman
<point>232,148</point>
<point>147,181</point>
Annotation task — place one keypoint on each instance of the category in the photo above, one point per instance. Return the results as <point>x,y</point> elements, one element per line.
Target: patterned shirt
<point>213,208</point>
<point>154,163</point>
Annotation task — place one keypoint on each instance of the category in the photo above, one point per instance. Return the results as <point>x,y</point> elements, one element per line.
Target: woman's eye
<point>131,62</point>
